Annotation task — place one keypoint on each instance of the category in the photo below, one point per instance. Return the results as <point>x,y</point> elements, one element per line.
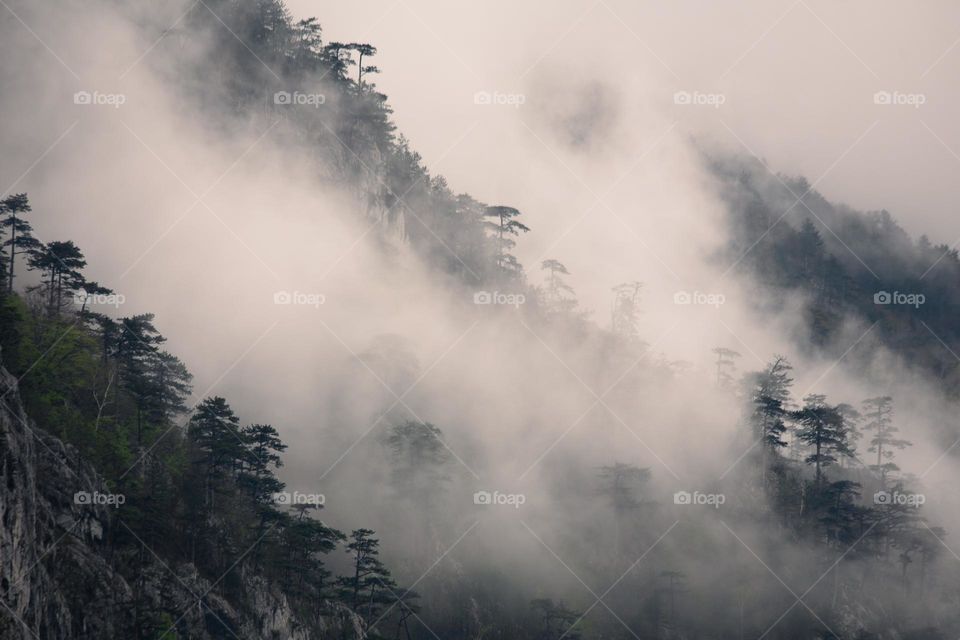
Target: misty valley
<point>269,371</point>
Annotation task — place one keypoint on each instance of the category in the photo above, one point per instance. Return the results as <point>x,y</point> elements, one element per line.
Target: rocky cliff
<point>61,578</point>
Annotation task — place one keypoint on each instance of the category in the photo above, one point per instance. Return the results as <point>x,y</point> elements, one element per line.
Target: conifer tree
<point>21,237</point>
<point>219,451</point>
<point>770,394</point>
<point>419,458</point>
<point>363,50</point>
<point>170,383</point>
<point>726,365</point>
<point>135,346</point>
<point>505,225</point>
<point>368,587</point>
<point>90,288</point>
<point>60,262</point>
<point>258,475</point>
<point>878,412</point>
<point>558,294</point>
<point>822,427</point>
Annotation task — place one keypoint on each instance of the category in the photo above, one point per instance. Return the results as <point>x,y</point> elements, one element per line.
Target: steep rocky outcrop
<point>59,576</point>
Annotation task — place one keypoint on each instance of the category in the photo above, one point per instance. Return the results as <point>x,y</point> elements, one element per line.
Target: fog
<point>204,218</point>
<point>814,65</point>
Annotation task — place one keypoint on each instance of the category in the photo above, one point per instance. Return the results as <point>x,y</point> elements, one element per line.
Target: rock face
<point>57,580</point>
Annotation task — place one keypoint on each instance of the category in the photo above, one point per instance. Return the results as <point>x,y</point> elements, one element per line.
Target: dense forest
<point>180,524</point>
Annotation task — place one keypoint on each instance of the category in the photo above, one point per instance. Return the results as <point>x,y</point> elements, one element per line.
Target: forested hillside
<point>341,120</point>
<point>137,506</point>
<point>844,263</point>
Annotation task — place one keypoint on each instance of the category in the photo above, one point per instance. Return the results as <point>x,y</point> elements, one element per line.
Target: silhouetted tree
<point>770,394</point>
<point>368,587</point>
<point>21,237</point>
<point>726,365</point>
<point>61,262</point>
<point>135,344</point>
<point>821,427</point>
<point>419,457</point>
<point>878,412</point>
<point>503,226</point>
<point>258,475</point>
<point>851,419</point>
<point>214,433</point>
<point>363,50</point>
<point>557,290</point>
<point>170,384</point>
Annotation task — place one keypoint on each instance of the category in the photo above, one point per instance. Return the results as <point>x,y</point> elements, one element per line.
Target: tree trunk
<point>13,247</point>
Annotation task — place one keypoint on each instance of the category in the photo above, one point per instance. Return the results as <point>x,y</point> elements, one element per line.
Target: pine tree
<point>265,447</point>
<point>851,419</point>
<point>878,412</point>
<point>822,427</point>
<point>726,365</point>
<point>841,514</point>
<point>218,449</point>
<point>419,458</point>
<point>135,345</point>
<point>363,50</point>
<point>338,58</point>
<point>557,290</point>
<point>306,542</point>
<point>770,394</point>
<point>61,263</point>
<point>170,383</point>
<point>91,288</point>
<point>368,587</point>
<point>504,226</point>
<point>21,233</point>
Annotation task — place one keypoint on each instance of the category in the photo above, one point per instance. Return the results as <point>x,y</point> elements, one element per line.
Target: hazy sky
<point>798,78</point>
